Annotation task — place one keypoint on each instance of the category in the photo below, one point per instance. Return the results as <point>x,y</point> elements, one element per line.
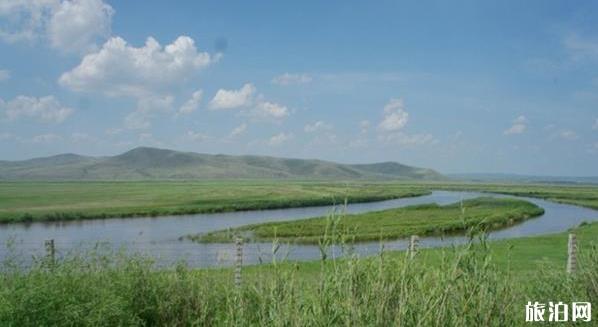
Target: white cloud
<point>4,75</point>
<point>288,79</point>
<point>279,139</point>
<point>238,130</point>
<point>69,25</point>
<point>595,125</point>
<point>155,103</point>
<point>25,20</point>
<point>113,131</point>
<point>147,108</point>
<point>45,109</point>
<point>6,136</point>
<point>197,136</point>
<point>317,127</point>
<point>78,137</point>
<point>409,139</point>
<point>77,24</point>
<point>269,111</point>
<point>46,138</point>
<point>364,126</point>
<point>395,116</point>
<point>519,126</point>
<point>568,135</point>
<point>231,99</point>
<point>119,69</point>
<point>137,120</point>
<point>192,104</point>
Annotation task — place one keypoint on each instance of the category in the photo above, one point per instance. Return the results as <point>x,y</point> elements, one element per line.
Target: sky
<point>457,86</point>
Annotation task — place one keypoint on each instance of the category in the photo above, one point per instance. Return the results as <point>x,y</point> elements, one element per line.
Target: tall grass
<point>464,288</point>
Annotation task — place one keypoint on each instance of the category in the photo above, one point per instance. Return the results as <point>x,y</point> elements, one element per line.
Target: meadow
<point>426,219</point>
<point>58,201</point>
<point>479,284</point>
<point>54,201</point>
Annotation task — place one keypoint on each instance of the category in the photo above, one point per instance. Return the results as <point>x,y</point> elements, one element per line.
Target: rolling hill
<point>145,163</point>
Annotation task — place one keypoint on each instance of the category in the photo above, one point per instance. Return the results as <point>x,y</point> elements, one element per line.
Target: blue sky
<point>464,86</point>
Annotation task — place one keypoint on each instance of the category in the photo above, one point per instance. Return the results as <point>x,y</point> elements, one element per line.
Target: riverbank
<point>423,220</point>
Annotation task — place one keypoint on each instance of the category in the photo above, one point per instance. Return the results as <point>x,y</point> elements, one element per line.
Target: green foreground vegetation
<point>56,201</point>
<point>481,284</point>
<point>426,219</point>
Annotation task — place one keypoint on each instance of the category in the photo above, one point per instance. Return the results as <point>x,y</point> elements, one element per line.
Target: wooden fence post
<point>238,261</point>
<point>50,250</point>
<point>572,254</point>
<point>413,242</point>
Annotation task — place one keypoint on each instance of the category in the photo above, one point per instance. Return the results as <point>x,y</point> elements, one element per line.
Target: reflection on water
<point>159,236</point>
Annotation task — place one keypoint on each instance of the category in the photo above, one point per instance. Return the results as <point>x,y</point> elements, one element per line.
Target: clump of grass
<point>462,288</point>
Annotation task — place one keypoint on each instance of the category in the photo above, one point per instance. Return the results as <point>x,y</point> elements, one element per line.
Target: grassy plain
<point>581,195</point>
<point>49,201</point>
<point>481,284</point>
<point>427,219</point>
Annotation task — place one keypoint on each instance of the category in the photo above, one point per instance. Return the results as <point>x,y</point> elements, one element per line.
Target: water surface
<point>159,236</point>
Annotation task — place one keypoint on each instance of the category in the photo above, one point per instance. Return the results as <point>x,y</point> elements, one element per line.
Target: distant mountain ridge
<point>146,163</point>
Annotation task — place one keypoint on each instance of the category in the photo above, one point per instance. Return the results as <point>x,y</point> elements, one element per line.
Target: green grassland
<point>479,284</point>
<point>428,219</point>
<point>48,201</point>
<point>581,195</point>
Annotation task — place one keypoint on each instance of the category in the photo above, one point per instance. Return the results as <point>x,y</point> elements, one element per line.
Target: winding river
<point>159,236</point>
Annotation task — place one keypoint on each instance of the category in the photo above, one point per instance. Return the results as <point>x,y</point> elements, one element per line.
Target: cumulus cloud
<point>395,116</point>
<point>364,126</point>
<point>4,75</point>
<point>279,139</point>
<point>269,111</point>
<point>147,108</point>
<point>519,126</point>
<point>192,104</point>
<point>46,138</point>
<point>44,109</point>
<point>79,137</point>
<point>409,139</point>
<point>137,120</point>
<point>568,135</point>
<point>69,25</point>
<point>288,79</point>
<point>197,136</point>
<point>232,99</point>
<point>113,131</point>
<point>317,127</point>
<point>6,136</point>
<point>76,25</point>
<point>238,130</point>
<point>120,69</point>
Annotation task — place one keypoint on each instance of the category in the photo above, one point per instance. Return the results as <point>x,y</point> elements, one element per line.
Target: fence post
<point>238,261</point>
<point>572,254</point>
<point>50,250</point>
<point>413,242</point>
